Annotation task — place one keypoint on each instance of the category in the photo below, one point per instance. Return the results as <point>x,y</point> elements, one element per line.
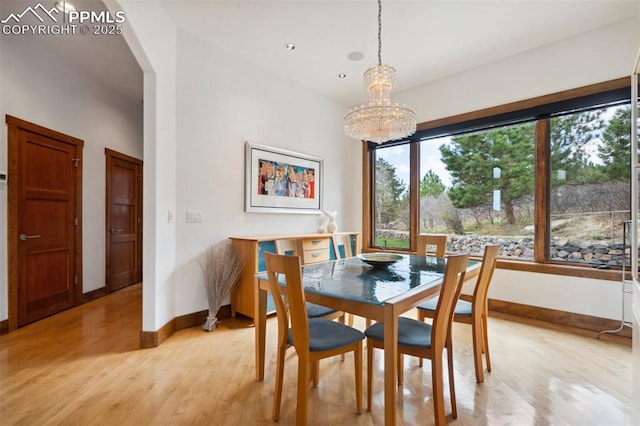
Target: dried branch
<point>221,268</point>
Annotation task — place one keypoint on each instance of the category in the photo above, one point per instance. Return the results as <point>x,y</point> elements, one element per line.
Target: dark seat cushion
<point>325,335</point>
<point>463,308</point>
<point>411,333</point>
<point>317,311</point>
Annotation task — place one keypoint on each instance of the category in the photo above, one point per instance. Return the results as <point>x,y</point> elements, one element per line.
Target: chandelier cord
<point>379,32</point>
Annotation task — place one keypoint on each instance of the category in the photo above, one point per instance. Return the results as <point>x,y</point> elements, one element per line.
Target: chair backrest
<point>481,291</point>
<point>439,241</point>
<point>287,268</point>
<point>452,282</point>
<point>288,247</point>
<point>342,241</point>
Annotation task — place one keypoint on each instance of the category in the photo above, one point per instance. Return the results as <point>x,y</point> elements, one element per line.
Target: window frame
<point>539,110</point>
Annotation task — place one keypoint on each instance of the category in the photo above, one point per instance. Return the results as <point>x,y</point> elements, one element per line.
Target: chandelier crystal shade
<point>380,120</point>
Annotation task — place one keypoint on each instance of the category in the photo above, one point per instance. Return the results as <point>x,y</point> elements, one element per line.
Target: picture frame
<point>282,181</point>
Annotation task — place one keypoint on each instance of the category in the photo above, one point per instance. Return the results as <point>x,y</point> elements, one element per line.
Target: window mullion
<point>368,188</point>
<point>542,190</point>
<point>414,191</point>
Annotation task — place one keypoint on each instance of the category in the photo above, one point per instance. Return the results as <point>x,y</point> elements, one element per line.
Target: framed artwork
<point>282,181</point>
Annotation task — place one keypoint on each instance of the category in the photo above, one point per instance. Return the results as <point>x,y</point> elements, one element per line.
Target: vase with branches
<point>221,268</point>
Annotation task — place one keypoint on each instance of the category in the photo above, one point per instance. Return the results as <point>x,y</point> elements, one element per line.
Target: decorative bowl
<point>380,260</point>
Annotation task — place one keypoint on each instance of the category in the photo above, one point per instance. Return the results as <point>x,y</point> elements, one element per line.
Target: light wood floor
<point>83,367</point>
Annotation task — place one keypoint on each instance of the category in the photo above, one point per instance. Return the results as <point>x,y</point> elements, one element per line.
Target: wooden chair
<point>313,338</point>
<point>474,312</point>
<point>287,247</point>
<point>432,240</point>
<point>290,247</point>
<point>343,241</point>
<point>431,245</point>
<point>423,340</point>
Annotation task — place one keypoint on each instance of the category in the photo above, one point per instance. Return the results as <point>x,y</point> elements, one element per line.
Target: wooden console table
<point>314,248</point>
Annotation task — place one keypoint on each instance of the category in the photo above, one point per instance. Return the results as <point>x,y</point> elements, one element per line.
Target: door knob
<point>25,237</point>
<point>114,231</point>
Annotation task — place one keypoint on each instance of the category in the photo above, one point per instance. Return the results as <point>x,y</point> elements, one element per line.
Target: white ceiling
<point>106,58</point>
<point>425,40</point>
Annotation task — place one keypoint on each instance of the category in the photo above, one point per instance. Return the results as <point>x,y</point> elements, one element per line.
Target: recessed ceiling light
<point>290,46</point>
<point>65,6</point>
<point>342,75</point>
<point>355,56</point>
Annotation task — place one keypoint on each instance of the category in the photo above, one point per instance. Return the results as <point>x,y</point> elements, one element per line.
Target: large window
<point>590,187</point>
<point>392,197</point>
<point>549,182</point>
<point>481,187</point>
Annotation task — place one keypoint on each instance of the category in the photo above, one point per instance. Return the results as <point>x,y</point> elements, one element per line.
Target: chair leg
<point>400,368</point>
<point>452,383</point>
<point>369,374</point>
<point>342,319</point>
<point>315,372</point>
<point>358,365</point>
<point>421,317</point>
<point>277,397</point>
<point>478,343</point>
<point>303,390</point>
<point>485,335</point>
<point>436,379</point>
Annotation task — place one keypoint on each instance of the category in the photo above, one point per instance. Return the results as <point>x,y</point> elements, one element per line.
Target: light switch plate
<point>195,216</point>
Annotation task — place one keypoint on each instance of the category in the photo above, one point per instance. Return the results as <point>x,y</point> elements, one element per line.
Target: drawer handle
<point>316,241</point>
<point>315,254</point>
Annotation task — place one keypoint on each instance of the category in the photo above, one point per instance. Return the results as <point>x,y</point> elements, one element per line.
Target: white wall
<point>152,38</point>
<point>38,86</point>
<point>605,54</point>
<point>201,105</point>
<point>592,57</point>
<point>222,102</point>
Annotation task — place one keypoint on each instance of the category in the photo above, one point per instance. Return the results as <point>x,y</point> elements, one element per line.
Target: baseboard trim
<point>152,339</point>
<point>4,327</point>
<point>561,318</point>
<point>191,320</point>
<point>94,294</point>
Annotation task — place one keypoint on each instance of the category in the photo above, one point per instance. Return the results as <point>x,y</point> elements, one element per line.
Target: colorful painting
<point>282,181</point>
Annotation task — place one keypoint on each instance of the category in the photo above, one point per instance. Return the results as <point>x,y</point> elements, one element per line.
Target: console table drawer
<point>315,244</point>
<point>315,256</point>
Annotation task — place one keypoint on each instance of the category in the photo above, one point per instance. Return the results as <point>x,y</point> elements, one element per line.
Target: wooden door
<point>124,220</point>
<point>43,223</point>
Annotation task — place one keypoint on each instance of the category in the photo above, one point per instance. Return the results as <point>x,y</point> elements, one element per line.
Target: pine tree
<point>615,150</point>
<point>431,185</point>
<point>471,158</point>
<point>389,190</point>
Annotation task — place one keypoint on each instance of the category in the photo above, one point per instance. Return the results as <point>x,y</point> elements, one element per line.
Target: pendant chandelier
<point>380,120</point>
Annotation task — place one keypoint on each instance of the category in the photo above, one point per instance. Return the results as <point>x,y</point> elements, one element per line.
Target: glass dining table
<point>378,293</point>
